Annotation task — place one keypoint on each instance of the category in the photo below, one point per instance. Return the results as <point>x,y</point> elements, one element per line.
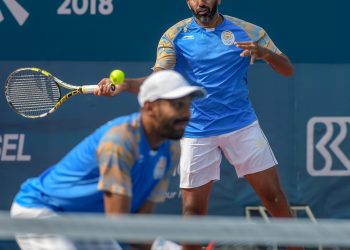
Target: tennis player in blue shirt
<point>123,167</point>
<point>214,51</point>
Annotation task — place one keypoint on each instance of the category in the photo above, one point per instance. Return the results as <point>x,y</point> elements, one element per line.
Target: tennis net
<point>92,231</point>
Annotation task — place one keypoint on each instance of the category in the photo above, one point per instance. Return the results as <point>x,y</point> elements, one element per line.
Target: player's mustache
<point>185,119</point>
<point>203,8</point>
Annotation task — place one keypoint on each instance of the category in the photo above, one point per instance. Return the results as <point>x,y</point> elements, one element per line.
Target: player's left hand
<point>252,49</point>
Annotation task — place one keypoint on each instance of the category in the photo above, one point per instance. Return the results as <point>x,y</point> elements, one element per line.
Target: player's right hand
<point>105,88</point>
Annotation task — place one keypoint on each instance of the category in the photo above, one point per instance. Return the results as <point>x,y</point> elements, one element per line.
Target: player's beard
<point>207,18</point>
<point>167,128</point>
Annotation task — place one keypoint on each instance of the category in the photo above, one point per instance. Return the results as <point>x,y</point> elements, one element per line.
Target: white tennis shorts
<point>247,149</point>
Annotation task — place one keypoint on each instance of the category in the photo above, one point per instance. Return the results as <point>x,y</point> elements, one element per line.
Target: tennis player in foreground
<point>123,167</point>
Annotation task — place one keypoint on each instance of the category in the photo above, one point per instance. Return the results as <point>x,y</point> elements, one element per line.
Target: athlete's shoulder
<point>126,129</point>
<point>254,31</point>
<point>180,26</point>
<point>241,22</point>
<point>130,118</point>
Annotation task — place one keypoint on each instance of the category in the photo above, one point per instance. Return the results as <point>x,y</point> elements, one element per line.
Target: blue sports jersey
<point>207,57</point>
<point>72,184</point>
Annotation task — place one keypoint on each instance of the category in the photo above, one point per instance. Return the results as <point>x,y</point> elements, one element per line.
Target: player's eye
<point>180,103</point>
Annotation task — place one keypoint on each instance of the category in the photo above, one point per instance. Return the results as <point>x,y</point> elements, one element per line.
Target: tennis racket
<point>35,93</point>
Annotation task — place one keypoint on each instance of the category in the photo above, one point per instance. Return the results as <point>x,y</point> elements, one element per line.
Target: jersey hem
<point>216,132</point>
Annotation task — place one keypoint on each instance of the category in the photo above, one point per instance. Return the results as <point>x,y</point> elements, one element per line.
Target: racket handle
<point>89,89</point>
<point>113,87</point>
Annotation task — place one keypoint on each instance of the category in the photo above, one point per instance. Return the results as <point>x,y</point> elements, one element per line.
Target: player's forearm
<point>116,204</point>
<point>147,208</point>
<point>133,84</point>
<point>280,63</point>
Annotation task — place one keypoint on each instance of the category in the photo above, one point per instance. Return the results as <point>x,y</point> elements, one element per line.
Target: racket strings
<point>31,93</point>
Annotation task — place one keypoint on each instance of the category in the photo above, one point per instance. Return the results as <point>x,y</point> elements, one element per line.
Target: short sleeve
<point>166,55</point>
<point>166,51</point>
<point>116,156</point>
<point>266,42</point>
<point>255,33</point>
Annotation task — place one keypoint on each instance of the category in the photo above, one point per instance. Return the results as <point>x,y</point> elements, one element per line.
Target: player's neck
<point>153,139</point>
<point>216,21</point>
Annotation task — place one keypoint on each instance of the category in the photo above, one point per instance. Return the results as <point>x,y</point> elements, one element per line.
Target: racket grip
<point>113,87</point>
<point>89,89</point>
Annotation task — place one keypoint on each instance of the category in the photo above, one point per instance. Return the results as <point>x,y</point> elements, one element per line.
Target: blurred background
<point>81,41</point>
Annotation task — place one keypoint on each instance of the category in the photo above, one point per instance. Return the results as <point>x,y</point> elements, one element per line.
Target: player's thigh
<point>200,161</point>
<point>248,150</point>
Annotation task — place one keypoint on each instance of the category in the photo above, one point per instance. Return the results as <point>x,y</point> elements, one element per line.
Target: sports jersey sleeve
<point>116,156</point>
<point>159,192</point>
<point>266,42</point>
<point>166,53</point>
<point>256,33</point>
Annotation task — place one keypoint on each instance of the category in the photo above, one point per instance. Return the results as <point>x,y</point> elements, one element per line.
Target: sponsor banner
<point>321,142</point>
<point>326,139</point>
<point>12,147</point>
<point>129,31</point>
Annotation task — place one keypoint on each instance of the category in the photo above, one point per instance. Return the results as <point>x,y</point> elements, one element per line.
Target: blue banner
<point>99,30</point>
<point>305,117</point>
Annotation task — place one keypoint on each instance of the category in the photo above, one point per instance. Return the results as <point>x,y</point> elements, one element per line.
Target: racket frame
<point>75,90</point>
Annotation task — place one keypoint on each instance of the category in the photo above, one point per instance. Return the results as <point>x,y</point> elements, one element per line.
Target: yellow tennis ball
<point>117,76</point>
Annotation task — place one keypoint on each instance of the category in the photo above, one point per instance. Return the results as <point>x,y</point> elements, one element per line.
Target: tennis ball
<point>117,76</point>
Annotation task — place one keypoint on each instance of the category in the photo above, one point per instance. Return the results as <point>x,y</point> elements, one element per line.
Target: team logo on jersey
<point>188,37</point>
<point>227,37</point>
<point>159,169</point>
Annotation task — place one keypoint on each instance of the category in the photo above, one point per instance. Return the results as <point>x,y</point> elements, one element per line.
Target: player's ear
<point>148,108</point>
